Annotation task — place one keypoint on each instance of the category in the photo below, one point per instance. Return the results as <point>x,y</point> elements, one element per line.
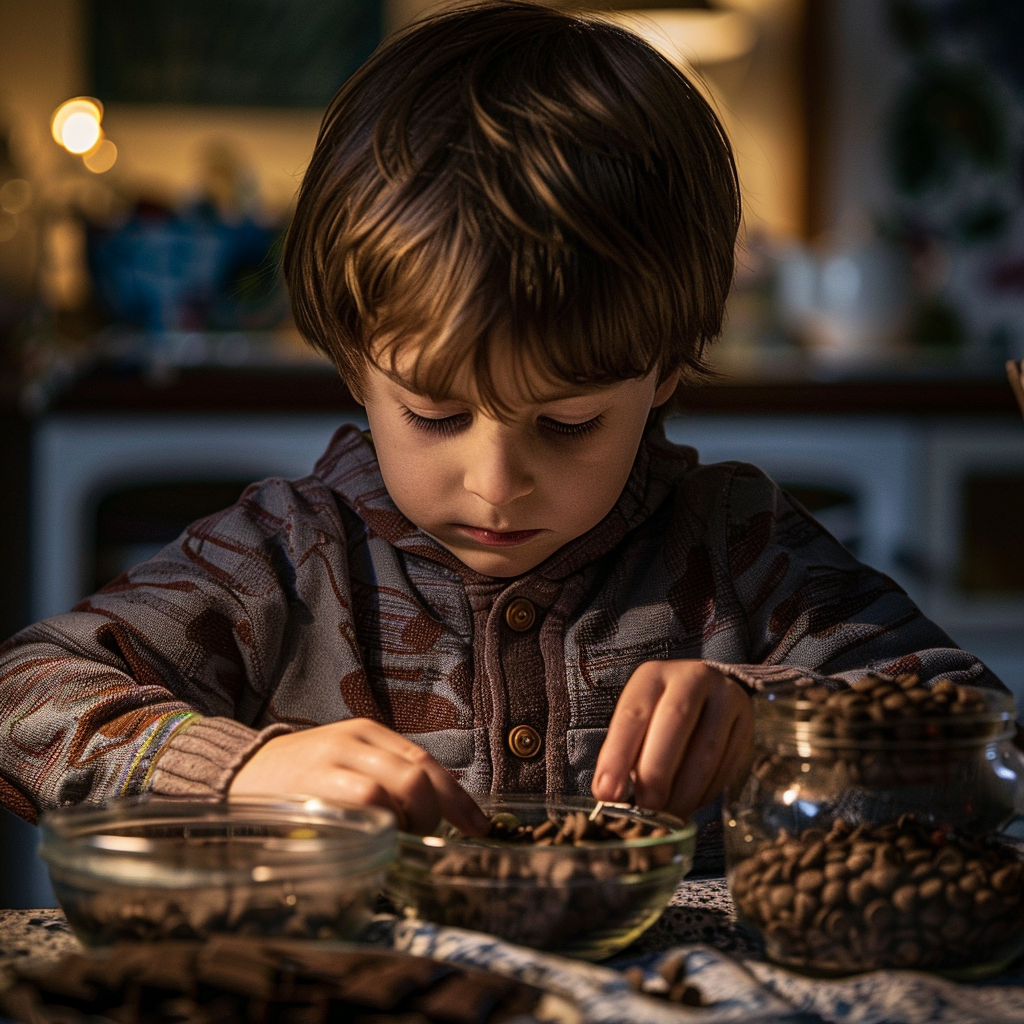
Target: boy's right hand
<point>359,761</point>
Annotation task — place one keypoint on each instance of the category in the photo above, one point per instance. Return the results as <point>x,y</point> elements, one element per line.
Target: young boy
<point>515,236</point>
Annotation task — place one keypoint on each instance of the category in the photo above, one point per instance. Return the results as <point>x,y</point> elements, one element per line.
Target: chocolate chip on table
<point>966,905</point>
<point>668,983</point>
<point>236,981</point>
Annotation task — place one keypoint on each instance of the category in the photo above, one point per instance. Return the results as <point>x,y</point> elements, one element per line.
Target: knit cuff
<point>204,755</point>
<point>757,678</point>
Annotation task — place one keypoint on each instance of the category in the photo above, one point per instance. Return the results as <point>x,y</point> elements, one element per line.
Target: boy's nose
<point>498,473</point>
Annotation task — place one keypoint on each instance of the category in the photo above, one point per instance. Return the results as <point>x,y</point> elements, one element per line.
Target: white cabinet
<point>875,463</point>
<point>77,459</point>
<point>902,491</point>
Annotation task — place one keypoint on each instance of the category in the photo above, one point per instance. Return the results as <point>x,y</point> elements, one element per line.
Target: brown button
<point>520,614</point>
<point>524,741</point>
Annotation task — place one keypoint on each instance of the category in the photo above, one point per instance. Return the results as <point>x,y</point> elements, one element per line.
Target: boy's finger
<point>736,752</point>
<point>447,797</point>
<point>626,733</point>
<point>702,760</point>
<point>410,787</point>
<point>345,786</point>
<point>674,721</point>
<point>458,807</point>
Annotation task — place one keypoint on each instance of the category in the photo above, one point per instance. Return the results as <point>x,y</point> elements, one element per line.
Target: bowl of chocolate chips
<point>153,869</point>
<point>869,831</point>
<point>559,873</point>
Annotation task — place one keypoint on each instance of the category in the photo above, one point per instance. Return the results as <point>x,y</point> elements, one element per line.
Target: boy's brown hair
<point>506,173</point>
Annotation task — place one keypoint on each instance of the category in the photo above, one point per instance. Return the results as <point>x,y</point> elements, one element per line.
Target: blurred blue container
<point>163,271</point>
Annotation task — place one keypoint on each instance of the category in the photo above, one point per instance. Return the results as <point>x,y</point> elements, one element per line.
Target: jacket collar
<point>349,467</point>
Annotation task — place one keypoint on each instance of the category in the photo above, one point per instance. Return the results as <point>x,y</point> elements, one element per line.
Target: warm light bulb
<point>80,133</point>
<point>76,124</point>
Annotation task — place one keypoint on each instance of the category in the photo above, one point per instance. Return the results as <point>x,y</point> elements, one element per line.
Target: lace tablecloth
<point>721,960</point>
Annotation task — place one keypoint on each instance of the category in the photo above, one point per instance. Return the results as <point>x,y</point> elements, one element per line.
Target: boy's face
<point>502,496</point>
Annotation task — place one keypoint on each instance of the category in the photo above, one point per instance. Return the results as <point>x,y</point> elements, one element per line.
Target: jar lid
<point>193,843</point>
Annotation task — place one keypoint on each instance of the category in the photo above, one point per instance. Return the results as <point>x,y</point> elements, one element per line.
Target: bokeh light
<point>102,158</point>
<point>692,37</point>
<point>15,195</point>
<point>80,133</point>
<point>76,124</point>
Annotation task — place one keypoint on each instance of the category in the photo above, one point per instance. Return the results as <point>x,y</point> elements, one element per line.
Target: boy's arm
<point>680,729</point>
<point>813,610</point>
<point>146,685</point>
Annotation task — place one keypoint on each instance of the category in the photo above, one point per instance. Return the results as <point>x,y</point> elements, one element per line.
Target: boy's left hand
<point>681,731</point>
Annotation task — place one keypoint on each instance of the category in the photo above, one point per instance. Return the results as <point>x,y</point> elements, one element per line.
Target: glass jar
<point>867,833</point>
<point>162,868</point>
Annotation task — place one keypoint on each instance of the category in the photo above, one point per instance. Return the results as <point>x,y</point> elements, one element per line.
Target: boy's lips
<point>496,538</point>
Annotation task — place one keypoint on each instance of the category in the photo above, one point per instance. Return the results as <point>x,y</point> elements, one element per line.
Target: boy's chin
<point>502,562</point>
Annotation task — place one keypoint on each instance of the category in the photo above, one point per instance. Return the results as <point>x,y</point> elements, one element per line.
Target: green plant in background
<point>953,147</point>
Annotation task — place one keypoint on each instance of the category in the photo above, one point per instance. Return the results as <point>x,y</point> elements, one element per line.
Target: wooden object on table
<point>1015,371</point>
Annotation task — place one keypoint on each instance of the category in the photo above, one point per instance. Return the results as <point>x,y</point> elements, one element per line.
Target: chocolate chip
<point>884,916</point>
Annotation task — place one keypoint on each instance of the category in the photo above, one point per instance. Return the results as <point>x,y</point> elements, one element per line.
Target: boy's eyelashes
<point>445,426</point>
<point>572,429</point>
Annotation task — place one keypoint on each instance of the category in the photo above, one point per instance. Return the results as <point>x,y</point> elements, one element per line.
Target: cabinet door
<point>973,534</point>
<point>973,521</point>
<point>83,467</point>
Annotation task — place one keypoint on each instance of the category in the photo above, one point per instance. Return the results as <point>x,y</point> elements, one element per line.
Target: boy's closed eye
<point>446,426</point>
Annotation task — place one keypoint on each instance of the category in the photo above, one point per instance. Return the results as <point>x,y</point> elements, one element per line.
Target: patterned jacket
<point>315,600</point>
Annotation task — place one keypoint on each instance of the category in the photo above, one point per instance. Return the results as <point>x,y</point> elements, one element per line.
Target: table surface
<point>722,961</point>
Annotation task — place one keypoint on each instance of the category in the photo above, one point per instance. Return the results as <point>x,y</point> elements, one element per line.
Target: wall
<point>42,64</point>
<point>865,67</point>
<point>159,148</point>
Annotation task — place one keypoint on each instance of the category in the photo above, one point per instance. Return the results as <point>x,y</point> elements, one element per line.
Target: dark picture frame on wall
<point>258,53</point>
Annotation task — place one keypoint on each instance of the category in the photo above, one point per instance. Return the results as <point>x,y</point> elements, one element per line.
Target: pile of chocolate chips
<point>572,829</point>
<point>900,894</point>
<point>886,732</point>
<point>891,708</point>
<point>232,980</point>
<point>311,911</point>
<point>668,983</point>
<point>539,896</point>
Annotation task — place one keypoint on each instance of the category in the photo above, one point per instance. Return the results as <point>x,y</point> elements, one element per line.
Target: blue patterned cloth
<point>721,960</point>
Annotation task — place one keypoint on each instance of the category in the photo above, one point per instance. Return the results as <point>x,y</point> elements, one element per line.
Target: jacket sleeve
<point>811,609</point>
<point>159,681</point>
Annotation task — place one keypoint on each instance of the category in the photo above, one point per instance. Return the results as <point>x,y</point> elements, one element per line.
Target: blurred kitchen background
<point>148,367</point>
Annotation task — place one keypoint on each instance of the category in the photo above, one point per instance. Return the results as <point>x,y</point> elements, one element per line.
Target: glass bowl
<point>587,900</point>
<point>145,868</point>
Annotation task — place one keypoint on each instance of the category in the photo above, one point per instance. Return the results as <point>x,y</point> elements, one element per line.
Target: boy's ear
<point>665,388</point>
